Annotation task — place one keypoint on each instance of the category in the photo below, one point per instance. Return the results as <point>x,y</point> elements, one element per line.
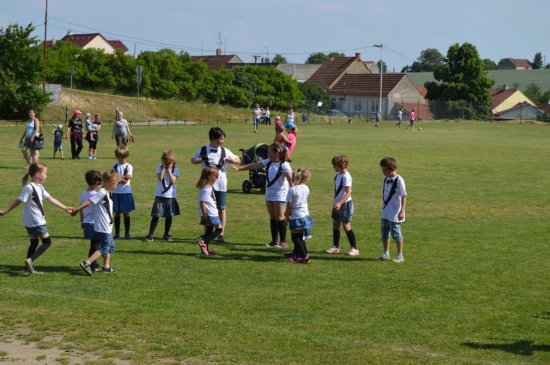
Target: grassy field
<point>473,289</point>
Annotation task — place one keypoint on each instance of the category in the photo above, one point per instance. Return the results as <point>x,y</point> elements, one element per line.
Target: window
<point>357,106</point>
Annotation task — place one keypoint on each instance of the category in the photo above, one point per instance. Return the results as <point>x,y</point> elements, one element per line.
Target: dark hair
<point>34,169</point>
<point>389,163</point>
<point>215,133</point>
<point>280,150</point>
<point>341,161</point>
<point>92,177</point>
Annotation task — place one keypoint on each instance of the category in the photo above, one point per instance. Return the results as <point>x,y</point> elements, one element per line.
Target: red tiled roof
<point>214,62</point>
<point>522,63</point>
<point>422,111</point>
<point>499,96</point>
<point>366,84</point>
<point>330,70</point>
<point>116,44</point>
<point>422,90</point>
<point>545,107</point>
<point>81,40</point>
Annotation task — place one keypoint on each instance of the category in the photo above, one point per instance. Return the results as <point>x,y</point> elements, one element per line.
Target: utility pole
<point>381,46</point>
<point>45,49</point>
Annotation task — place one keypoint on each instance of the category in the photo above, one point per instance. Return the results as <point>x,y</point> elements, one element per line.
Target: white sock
<point>387,253</point>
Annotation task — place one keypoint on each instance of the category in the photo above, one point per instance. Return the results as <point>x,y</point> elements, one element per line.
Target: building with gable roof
<point>332,70</point>
<point>505,98</point>
<point>219,60</point>
<point>515,64</point>
<point>93,40</point>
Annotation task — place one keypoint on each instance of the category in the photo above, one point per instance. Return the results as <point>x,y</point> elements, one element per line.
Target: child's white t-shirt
<point>344,179</point>
<point>103,211</point>
<point>391,210</point>
<point>88,212</point>
<point>164,188</point>
<point>207,196</point>
<point>297,196</point>
<point>123,169</point>
<point>214,154</point>
<point>32,216</point>
<point>279,190</point>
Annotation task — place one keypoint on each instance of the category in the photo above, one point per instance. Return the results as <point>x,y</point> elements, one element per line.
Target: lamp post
<point>381,46</point>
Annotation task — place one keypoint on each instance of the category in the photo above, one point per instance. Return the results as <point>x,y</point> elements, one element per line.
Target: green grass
<point>473,289</point>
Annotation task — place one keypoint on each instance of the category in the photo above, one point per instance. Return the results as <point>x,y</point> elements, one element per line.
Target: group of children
<point>109,196</point>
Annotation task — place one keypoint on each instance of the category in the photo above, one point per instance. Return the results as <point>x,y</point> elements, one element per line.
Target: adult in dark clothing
<point>75,134</point>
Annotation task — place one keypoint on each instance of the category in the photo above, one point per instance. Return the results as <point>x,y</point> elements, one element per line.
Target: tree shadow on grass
<point>17,270</point>
<point>522,348</point>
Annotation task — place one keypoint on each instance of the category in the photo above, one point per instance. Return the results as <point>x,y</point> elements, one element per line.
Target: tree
<point>21,68</point>
<point>489,64</point>
<point>533,92</point>
<point>384,65</point>
<point>463,80</point>
<point>279,58</point>
<point>538,61</point>
<point>313,95</point>
<point>429,59</point>
<point>318,58</point>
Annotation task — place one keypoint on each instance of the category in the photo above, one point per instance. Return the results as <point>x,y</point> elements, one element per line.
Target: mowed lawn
<point>474,288</point>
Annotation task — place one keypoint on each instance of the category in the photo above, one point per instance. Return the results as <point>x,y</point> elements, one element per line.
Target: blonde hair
<point>34,169</point>
<point>110,176</point>
<point>169,156</point>
<point>301,176</point>
<point>208,177</point>
<point>122,152</point>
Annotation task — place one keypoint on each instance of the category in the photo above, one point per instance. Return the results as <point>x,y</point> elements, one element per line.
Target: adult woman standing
<point>27,139</point>
<point>75,134</point>
<point>121,131</point>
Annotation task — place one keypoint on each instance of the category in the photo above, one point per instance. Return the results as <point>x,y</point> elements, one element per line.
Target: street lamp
<point>381,46</point>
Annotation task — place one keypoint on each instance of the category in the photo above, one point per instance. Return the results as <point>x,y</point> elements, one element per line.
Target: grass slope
<point>473,289</point>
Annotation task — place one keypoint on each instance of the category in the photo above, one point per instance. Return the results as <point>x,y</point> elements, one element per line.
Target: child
<point>123,200</point>
<point>394,201</point>
<point>89,127</point>
<point>58,140</point>
<point>278,124</point>
<point>290,138</point>
<point>279,135</point>
<point>165,204</point>
<point>207,209</point>
<point>216,155</point>
<point>411,119</point>
<point>93,179</point>
<point>342,209</point>
<point>278,181</point>
<point>297,214</point>
<point>33,194</point>
<point>103,222</point>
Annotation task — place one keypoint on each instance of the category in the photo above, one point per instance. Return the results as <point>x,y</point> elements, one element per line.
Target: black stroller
<point>256,178</point>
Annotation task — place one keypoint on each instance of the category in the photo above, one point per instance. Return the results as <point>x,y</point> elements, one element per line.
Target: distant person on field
<point>32,128</point>
<point>123,199</point>
<point>342,207</point>
<point>411,119</point>
<point>394,201</point>
<point>290,116</point>
<point>256,116</point>
<point>58,141</point>
<point>377,119</point>
<point>74,133</point>
<point>93,136</point>
<point>304,118</point>
<point>121,131</point>
<point>399,117</point>
<point>290,138</point>
<point>267,116</point>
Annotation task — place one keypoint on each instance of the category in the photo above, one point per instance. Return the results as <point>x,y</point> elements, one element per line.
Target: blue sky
<point>498,28</point>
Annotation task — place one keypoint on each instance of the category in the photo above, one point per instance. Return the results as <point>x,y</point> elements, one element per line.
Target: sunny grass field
<point>473,289</point>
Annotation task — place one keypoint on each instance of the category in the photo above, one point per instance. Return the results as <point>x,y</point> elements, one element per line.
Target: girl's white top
<point>122,169</point>
<point>207,196</point>
<point>297,196</point>
<point>279,190</point>
<point>32,216</point>
<point>171,192</point>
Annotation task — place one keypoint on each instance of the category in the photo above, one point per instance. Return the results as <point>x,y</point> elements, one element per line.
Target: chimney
<point>218,51</point>
<point>505,87</point>
<point>358,56</point>
<point>69,33</point>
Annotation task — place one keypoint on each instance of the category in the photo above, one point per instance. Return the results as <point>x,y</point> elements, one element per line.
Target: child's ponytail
<point>34,169</point>
<point>301,176</point>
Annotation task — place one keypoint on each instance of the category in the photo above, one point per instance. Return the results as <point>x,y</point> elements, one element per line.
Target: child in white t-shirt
<point>93,179</point>
<point>208,211</point>
<point>33,194</point>
<point>123,199</point>
<point>297,214</point>
<point>392,214</point>
<point>166,204</point>
<point>278,181</point>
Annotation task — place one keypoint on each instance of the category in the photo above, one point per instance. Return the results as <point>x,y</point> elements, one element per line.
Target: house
<point>515,64</point>
<point>359,94</point>
<point>93,40</point>
<point>505,98</point>
<point>332,70</point>
<point>219,60</point>
<point>521,111</point>
<point>298,71</point>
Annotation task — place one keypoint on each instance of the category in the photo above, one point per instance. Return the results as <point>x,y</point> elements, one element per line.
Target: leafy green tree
<point>538,61</point>
<point>384,65</point>
<point>313,95</point>
<point>279,58</point>
<point>318,58</point>
<point>429,59</point>
<point>21,68</point>
<point>462,78</point>
<point>533,92</point>
<point>489,64</point>
<point>545,98</point>
<point>98,74</point>
<point>61,56</point>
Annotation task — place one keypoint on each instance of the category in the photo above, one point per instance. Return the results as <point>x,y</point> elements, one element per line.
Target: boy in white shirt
<point>93,179</point>
<point>394,201</point>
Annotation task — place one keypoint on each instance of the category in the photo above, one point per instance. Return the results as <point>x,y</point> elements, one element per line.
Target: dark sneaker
<point>108,269</point>
<point>289,254</point>
<point>127,236</point>
<point>282,244</point>
<point>221,239</point>
<point>210,252</point>
<point>149,239</point>
<point>95,267</point>
<point>204,247</point>
<point>167,238</point>
<point>116,236</point>
<point>272,244</point>
<point>86,268</point>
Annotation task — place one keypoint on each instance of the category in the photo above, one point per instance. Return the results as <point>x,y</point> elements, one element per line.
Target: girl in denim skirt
<point>208,210</point>
<point>297,213</point>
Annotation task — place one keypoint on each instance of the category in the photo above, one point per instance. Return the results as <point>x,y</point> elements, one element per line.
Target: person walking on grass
<point>256,116</point>
<point>392,214</point>
<point>32,128</point>
<point>278,181</point>
<point>342,209</point>
<point>93,179</point>
<point>33,195</point>
<point>411,119</point>
<point>123,199</point>
<point>121,131</point>
<point>165,205</point>
<point>208,211</point>
<point>75,134</point>
<point>103,223</point>
<point>399,117</point>
<point>58,141</point>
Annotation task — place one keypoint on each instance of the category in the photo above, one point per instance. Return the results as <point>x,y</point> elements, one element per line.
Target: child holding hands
<point>297,214</point>
<point>208,211</point>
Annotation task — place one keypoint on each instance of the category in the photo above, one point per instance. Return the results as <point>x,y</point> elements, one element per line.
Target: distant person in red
<point>290,138</point>
<point>411,119</point>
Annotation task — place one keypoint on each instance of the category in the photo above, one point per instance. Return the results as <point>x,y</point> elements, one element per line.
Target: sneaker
<point>383,258</point>
<point>272,244</point>
<point>295,260</point>
<point>107,269</point>
<point>149,239</point>
<point>86,268</point>
<point>221,239</point>
<point>333,250</point>
<point>127,236</point>
<point>29,266</point>
<point>116,236</point>
<point>353,252</point>
<point>282,244</point>
<point>399,258</point>
<point>167,238</point>
<point>210,252</point>
<point>96,268</point>
<point>204,247</point>
<point>289,254</point>
<point>26,273</point>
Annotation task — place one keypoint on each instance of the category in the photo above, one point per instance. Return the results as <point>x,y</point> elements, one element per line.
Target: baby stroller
<point>256,178</point>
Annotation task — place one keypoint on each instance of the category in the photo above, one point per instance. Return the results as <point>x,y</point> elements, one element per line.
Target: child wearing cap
<point>290,138</point>
<point>58,140</point>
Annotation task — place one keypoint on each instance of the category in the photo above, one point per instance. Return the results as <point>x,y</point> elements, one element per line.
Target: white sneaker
<point>383,258</point>
<point>399,259</point>
<point>333,250</point>
<point>353,252</point>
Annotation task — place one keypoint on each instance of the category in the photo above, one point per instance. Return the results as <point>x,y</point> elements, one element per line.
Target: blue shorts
<point>214,220</point>
<point>280,202</point>
<point>388,227</point>
<point>37,231</point>
<point>221,199</point>
<point>256,121</point>
<point>106,242</point>
<point>58,146</point>
<point>345,213</point>
<point>123,203</point>
<point>88,229</point>
<point>300,224</point>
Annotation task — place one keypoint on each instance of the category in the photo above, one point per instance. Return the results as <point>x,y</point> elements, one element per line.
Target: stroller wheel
<point>247,186</point>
